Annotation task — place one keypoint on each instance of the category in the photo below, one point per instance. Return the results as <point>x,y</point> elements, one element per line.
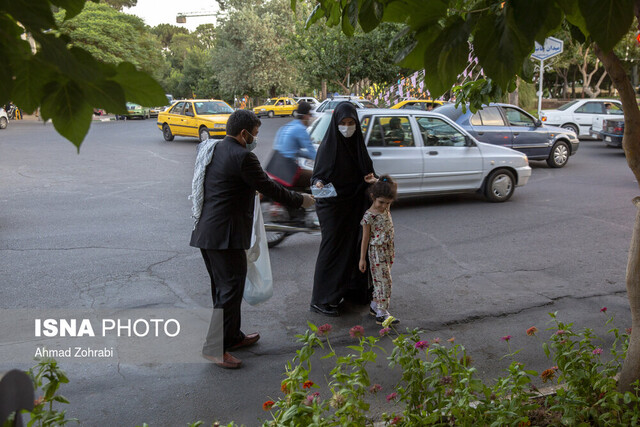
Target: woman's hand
<point>370,178</point>
<point>362,265</point>
<point>319,184</point>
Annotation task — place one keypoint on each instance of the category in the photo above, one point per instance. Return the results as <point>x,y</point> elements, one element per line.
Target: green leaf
<point>370,15</point>
<point>107,95</point>
<point>446,57</point>
<point>29,84</point>
<point>574,16</point>
<point>139,87</point>
<point>316,14</point>
<point>70,113</point>
<point>6,84</point>
<point>535,18</point>
<point>34,15</point>
<point>72,7</point>
<point>350,18</point>
<point>607,20</point>
<point>500,47</point>
<point>412,55</point>
<point>429,12</point>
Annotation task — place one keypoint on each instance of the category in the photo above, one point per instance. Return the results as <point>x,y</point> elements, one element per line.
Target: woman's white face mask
<point>347,131</point>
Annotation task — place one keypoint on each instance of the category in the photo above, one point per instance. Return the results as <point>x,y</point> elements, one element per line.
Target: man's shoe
<point>325,309</point>
<point>227,361</point>
<point>247,341</point>
<point>337,304</point>
<point>372,312</point>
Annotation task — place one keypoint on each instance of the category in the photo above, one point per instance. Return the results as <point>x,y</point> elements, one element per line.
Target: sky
<point>155,12</point>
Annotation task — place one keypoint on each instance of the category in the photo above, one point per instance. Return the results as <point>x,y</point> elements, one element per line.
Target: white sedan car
<point>427,153</point>
<point>579,115</point>
<point>4,119</point>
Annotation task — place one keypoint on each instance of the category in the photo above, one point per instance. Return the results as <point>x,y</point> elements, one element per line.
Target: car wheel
<point>559,155</point>
<point>3,122</point>
<point>270,114</point>
<point>574,128</point>
<point>166,132</point>
<point>204,134</point>
<point>500,185</point>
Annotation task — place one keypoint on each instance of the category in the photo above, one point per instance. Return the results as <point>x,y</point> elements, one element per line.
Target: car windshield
<point>319,128</point>
<point>567,105</point>
<point>270,101</point>
<point>133,106</point>
<point>212,107</point>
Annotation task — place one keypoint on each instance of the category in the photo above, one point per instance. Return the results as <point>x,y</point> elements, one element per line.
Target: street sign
<point>552,47</point>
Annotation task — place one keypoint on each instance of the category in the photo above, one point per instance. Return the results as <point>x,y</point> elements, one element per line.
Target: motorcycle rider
<point>293,141</point>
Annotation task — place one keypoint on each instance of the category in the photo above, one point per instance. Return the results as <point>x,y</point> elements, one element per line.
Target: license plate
<point>607,138</point>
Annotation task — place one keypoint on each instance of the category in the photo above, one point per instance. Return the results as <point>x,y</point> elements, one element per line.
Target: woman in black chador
<point>343,161</point>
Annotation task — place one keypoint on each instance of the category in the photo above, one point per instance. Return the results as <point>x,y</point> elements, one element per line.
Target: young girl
<point>377,243</point>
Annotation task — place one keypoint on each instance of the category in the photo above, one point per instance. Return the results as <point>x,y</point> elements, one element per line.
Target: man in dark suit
<point>223,232</point>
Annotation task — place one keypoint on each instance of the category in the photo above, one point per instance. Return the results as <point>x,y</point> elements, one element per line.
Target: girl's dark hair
<point>385,187</point>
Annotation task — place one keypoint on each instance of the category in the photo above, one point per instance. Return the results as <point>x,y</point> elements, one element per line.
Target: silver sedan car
<point>427,153</point>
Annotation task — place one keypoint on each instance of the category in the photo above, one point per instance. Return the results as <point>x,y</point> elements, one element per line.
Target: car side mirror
<point>468,142</point>
<point>538,123</point>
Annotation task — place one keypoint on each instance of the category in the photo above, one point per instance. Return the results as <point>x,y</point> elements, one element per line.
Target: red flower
<point>324,329</point>
<point>384,331</point>
<point>356,332</point>
<point>285,388</point>
<point>375,388</point>
<point>268,405</point>
<point>603,310</point>
<point>506,338</point>
<point>532,331</point>
<point>391,396</point>
<point>548,374</point>
<point>307,384</point>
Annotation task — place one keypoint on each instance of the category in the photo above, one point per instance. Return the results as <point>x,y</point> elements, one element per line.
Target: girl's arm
<point>366,230</point>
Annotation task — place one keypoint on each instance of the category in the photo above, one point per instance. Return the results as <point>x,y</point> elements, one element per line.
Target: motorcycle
<point>281,222</point>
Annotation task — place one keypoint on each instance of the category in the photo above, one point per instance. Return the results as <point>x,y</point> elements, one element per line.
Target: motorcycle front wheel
<point>273,213</point>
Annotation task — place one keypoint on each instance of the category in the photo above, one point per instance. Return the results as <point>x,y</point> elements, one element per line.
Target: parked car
<point>4,119</point>
<point>311,100</point>
<point>510,126</point>
<point>612,132</point>
<point>199,118</point>
<point>418,104</point>
<point>427,153</point>
<point>578,115</point>
<point>134,110</point>
<point>329,104</point>
<point>276,107</point>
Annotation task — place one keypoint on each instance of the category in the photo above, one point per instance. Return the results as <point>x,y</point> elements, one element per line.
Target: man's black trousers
<point>228,271</point>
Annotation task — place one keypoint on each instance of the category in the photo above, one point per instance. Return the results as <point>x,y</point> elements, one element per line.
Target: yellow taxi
<point>418,104</point>
<point>200,118</point>
<point>277,107</point>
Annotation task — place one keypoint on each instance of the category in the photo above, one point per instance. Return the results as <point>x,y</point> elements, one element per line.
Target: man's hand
<point>370,179</point>
<point>307,200</point>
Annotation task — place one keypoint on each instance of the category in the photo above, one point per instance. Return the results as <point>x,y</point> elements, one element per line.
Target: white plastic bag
<point>259,284</point>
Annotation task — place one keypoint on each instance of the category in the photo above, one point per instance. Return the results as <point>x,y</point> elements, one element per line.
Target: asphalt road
<point>110,226</point>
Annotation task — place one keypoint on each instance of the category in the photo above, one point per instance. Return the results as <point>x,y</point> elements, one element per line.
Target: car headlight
<point>526,160</point>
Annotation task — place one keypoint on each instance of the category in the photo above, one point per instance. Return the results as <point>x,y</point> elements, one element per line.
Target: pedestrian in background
<point>378,245</point>
<point>223,228</point>
<point>343,161</point>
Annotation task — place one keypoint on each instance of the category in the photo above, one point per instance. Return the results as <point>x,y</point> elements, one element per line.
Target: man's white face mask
<point>347,131</point>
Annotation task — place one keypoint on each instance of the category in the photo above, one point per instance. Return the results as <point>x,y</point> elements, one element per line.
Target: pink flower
<point>436,340</point>
<point>597,351</point>
<point>422,345</point>
<point>506,338</point>
<point>628,331</point>
<point>561,332</point>
<point>324,329</point>
<point>375,388</point>
<point>384,331</point>
<point>356,332</point>
<point>391,396</point>
<point>311,397</point>
<point>603,310</point>
<point>396,420</point>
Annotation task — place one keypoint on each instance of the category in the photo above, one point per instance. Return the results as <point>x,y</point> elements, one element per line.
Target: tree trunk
<point>631,144</point>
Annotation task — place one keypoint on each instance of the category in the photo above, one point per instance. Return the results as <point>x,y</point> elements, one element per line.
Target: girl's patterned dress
<point>381,255</point>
